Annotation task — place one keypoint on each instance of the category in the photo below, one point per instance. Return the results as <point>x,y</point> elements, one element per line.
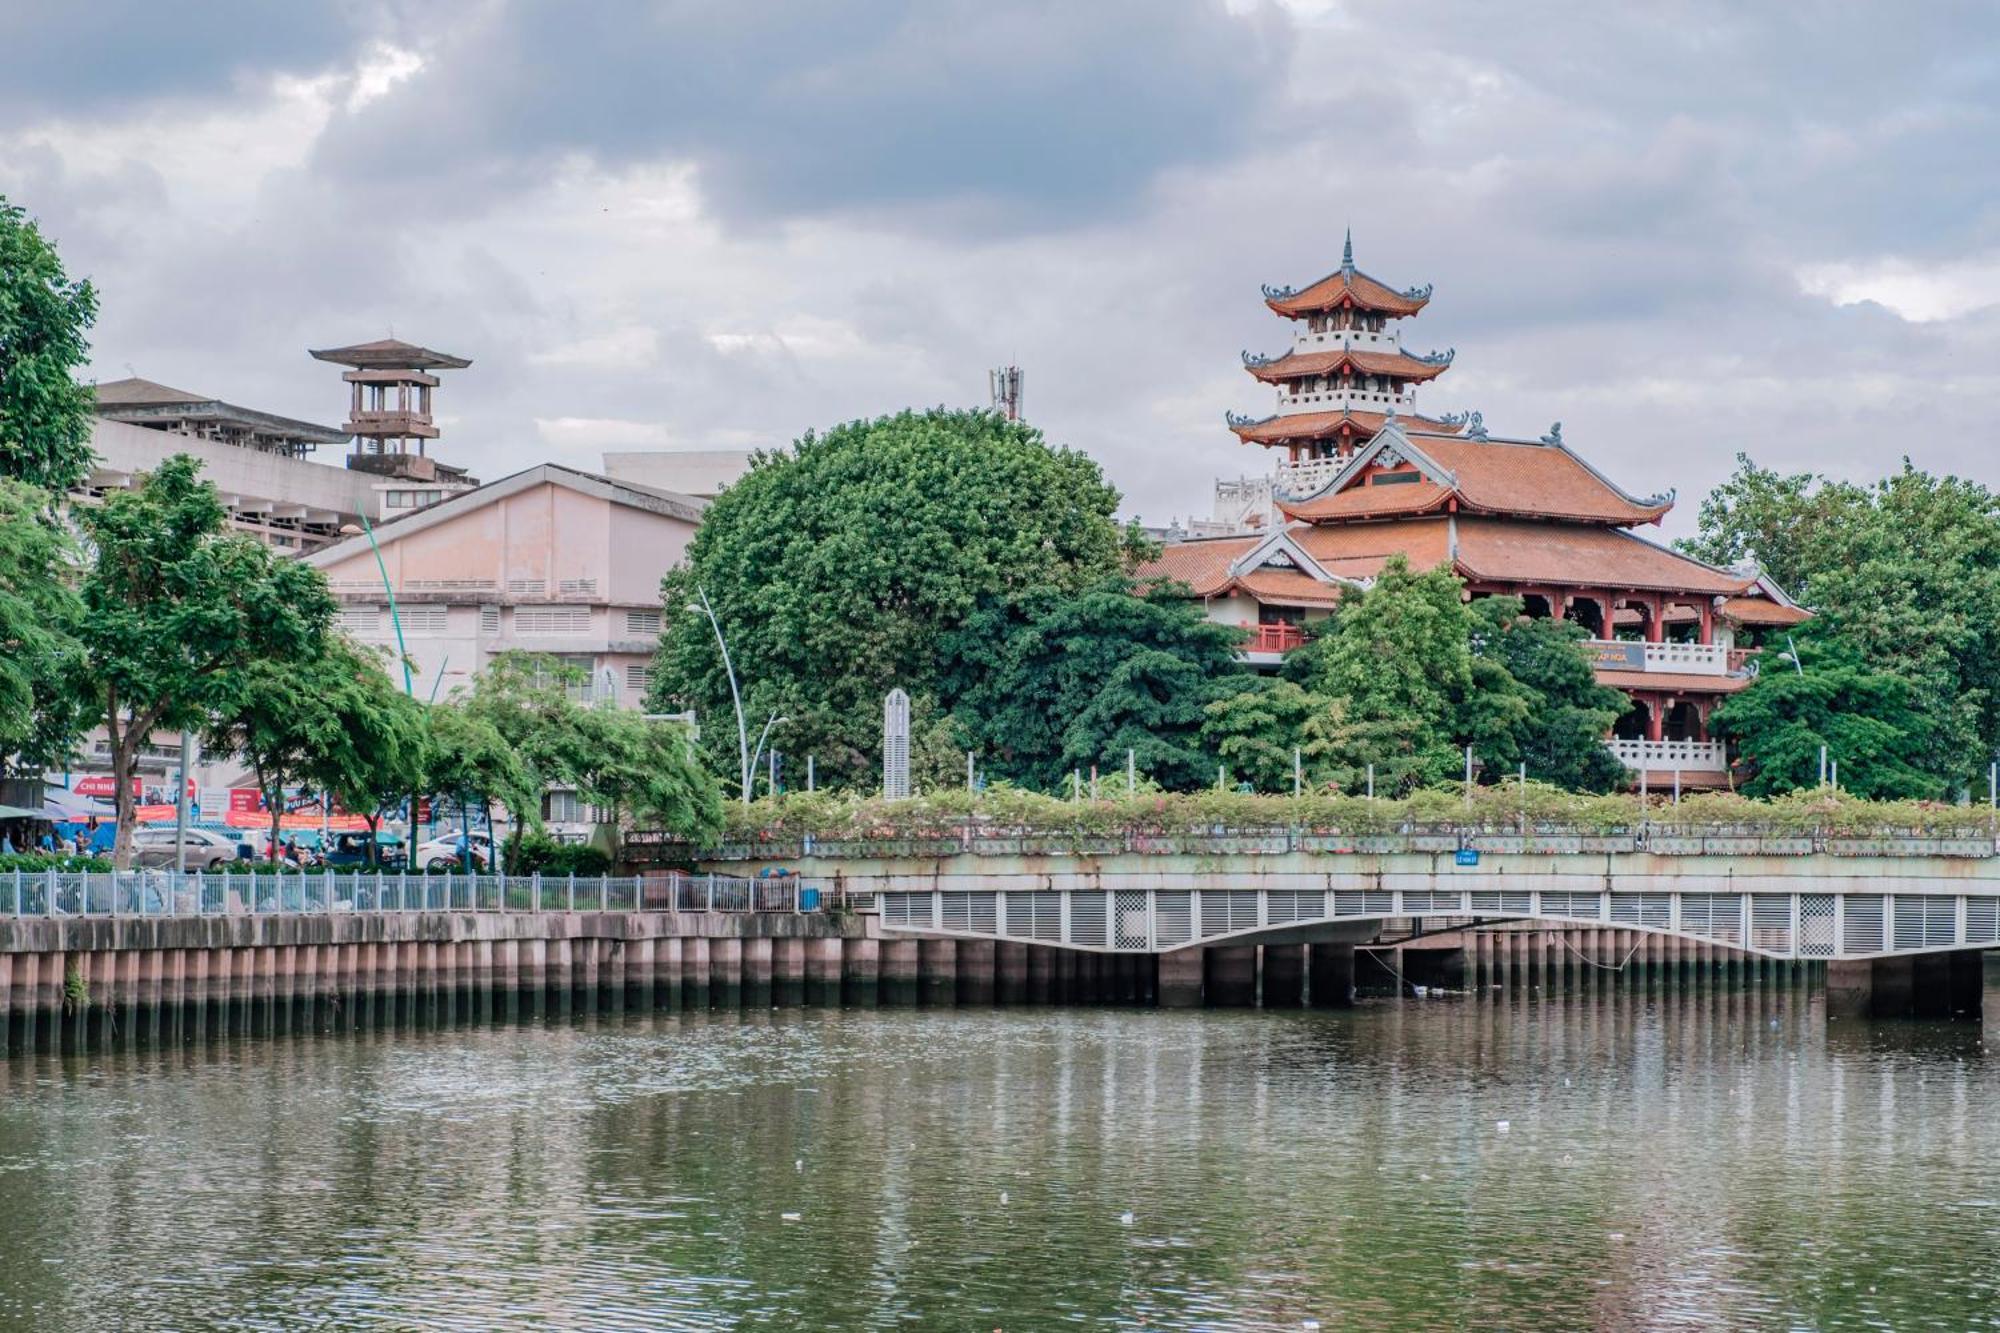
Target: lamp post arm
<point>735,695</point>
<point>395,619</point>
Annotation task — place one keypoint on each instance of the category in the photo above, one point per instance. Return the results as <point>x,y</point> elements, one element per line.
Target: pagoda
<point>1363,478</point>
<point>390,412</point>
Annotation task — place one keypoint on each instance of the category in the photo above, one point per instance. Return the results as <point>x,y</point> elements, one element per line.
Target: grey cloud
<point>998,115</point>
<point>65,57</point>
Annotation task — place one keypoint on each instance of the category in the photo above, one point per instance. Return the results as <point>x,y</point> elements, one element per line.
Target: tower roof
<point>390,354</point>
<point>1463,474</point>
<point>1350,287</point>
<point>1397,365</point>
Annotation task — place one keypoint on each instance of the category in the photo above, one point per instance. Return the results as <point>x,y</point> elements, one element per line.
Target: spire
<point>1347,253</point>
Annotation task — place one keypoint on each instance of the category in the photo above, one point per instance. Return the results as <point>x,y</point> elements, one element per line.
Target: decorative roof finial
<point>1475,427</point>
<point>1555,435</point>
<point>1347,253</point>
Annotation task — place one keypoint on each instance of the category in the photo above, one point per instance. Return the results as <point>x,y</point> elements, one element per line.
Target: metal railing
<point>167,893</point>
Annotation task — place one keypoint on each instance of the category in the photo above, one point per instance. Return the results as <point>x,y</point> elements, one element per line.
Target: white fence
<point>166,893</point>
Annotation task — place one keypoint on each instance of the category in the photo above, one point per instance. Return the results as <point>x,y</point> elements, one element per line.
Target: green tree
<point>1254,730</point>
<point>646,769</point>
<point>44,412</point>
<point>1048,682</point>
<point>40,711</point>
<point>175,609</point>
<point>471,765</point>
<point>1904,576</point>
<point>1399,657</point>
<point>1867,720</point>
<point>838,568</point>
<point>525,698</point>
<point>1539,701</point>
<point>331,722</point>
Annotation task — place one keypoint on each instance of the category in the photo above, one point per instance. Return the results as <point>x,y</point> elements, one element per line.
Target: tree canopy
<point>176,609</point>
<point>1904,578</point>
<point>44,411</point>
<point>39,654</point>
<point>1865,720</point>
<point>1047,682</point>
<point>839,567</point>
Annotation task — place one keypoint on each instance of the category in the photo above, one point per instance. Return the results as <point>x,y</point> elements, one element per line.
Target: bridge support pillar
<point>1180,979</point>
<point>1010,973</point>
<point>823,967</point>
<point>1332,980</point>
<point>1230,975</point>
<point>1284,976</point>
<point>1930,985</point>
<point>899,971</point>
<point>861,972</point>
<point>976,963</point>
<point>937,971</point>
<point>759,959</point>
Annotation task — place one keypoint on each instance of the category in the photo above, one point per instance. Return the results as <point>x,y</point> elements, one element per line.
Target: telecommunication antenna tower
<point>1006,383</point>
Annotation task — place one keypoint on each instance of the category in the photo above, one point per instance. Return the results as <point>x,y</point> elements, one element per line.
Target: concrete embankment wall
<point>70,983</point>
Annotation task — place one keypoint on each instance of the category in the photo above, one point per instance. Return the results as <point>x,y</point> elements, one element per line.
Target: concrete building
<point>550,560</point>
<point>701,473</point>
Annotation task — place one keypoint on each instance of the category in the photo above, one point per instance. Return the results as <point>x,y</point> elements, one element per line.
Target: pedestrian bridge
<point>1802,898</point>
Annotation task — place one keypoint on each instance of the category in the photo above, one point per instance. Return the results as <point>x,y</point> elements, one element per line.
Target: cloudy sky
<point>1684,229</point>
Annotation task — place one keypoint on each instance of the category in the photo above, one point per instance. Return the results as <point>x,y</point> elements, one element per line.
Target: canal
<point>1722,1158</point>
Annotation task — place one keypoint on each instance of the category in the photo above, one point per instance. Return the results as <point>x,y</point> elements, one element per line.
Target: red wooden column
<point>1656,620</point>
<point>1706,609</point>
<point>1656,718</point>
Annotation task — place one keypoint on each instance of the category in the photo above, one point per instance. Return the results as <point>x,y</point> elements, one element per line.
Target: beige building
<point>550,560</point>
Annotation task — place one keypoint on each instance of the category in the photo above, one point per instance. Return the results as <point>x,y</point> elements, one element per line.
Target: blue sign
<point>1468,856</point>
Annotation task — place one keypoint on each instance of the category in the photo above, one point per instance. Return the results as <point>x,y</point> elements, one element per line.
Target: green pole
<point>395,620</point>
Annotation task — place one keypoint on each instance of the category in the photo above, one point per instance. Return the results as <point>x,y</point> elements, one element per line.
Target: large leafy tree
<point>648,770</point>
<point>525,699</point>
<point>44,412</point>
<point>1865,719</point>
<point>1048,682</point>
<point>40,711</point>
<point>176,609</point>
<point>838,568</point>
<point>1258,729</point>
<point>469,763</point>
<point>1537,699</point>
<point>1904,576</point>
<point>1399,657</point>
<point>330,722</point>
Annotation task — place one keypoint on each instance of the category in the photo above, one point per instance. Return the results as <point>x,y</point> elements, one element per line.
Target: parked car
<point>155,848</point>
<point>444,851</point>
<point>351,849</point>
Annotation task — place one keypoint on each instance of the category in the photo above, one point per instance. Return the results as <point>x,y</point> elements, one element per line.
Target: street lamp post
<point>395,620</point>
<point>745,756</point>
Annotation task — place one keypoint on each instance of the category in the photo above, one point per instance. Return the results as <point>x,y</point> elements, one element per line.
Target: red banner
<point>261,819</point>
<point>101,786</point>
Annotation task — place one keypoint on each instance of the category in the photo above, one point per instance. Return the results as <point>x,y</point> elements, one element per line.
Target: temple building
<point>1362,477</point>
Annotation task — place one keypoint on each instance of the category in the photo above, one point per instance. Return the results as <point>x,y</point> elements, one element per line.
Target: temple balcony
<point>1268,644</point>
<point>1671,756</point>
<point>1332,400</point>
<point>1367,340</point>
<point>1299,480</point>
<point>1684,659</point>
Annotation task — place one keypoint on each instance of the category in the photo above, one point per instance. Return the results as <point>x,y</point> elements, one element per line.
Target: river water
<point>1710,1160</point>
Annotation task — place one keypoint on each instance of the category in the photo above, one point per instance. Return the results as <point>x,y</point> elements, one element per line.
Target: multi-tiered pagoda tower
<point>1364,478</point>
<point>1346,372</point>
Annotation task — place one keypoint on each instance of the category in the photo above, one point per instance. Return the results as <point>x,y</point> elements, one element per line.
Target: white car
<point>443,851</point>
<point>154,848</point>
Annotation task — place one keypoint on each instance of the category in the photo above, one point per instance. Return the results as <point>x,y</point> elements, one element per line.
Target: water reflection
<point>1713,1159</point>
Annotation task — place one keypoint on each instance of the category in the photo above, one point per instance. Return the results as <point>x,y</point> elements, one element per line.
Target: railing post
<point>604,892</point>
<point>572,892</point>
<point>535,892</point>
<point>49,898</point>
<point>17,891</point>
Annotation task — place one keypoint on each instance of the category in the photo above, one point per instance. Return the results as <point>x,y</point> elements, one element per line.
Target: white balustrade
<point>1308,478</point>
<point>1669,756</point>
<point>1688,659</point>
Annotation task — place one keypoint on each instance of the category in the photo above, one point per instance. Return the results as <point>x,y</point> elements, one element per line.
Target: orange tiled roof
<point>1289,587</point>
<point>1762,611</point>
<point>1505,550</point>
<point>1322,425</point>
<point>1672,682</point>
<point>1347,287</point>
<point>1493,477</point>
<point>1358,551</point>
<point>1396,365</point>
<point>1202,564</point>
